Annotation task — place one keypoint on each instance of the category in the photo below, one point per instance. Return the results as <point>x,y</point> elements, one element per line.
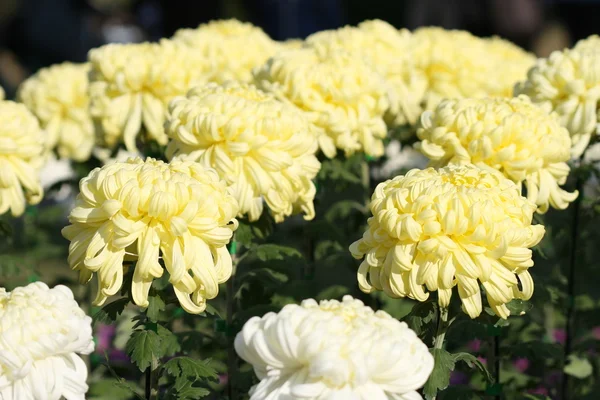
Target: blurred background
<point>37,33</point>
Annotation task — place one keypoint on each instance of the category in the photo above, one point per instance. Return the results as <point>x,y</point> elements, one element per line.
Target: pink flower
<point>104,336</point>
<point>474,345</point>
<point>596,332</point>
<point>560,336</point>
<point>521,364</point>
<point>539,390</point>
<point>483,360</point>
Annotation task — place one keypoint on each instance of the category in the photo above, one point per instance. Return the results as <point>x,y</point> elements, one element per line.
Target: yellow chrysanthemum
<point>340,92</point>
<point>291,44</point>
<point>568,82</point>
<point>264,148</point>
<point>457,64</point>
<point>387,49</point>
<point>455,226</point>
<point>511,135</point>
<point>230,48</point>
<point>131,85</point>
<point>148,210</point>
<point>58,96</point>
<point>22,154</point>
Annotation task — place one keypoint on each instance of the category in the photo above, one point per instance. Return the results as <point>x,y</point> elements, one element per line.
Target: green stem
<point>570,325</point>
<point>231,357</point>
<point>152,380</point>
<point>365,178</point>
<point>442,328</point>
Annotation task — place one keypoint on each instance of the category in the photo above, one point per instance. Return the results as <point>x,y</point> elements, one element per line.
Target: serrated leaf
<point>336,170</point>
<point>440,376</point>
<point>155,306</point>
<point>518,306</point>
<point>421,315</point>
<point>110,312</point>
<point>473,362</point>
<point>187,392</point>
<point>169,343</point>
<point>142,347</point>
<point>266,252</point>
<point>578,367</point>
<point>186,367</point>
<point>108,389</point>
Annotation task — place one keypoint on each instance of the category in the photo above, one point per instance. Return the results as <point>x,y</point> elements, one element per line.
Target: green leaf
<point>155,306</point>
<point>473,362</point>
<point>342,209</point>
<point>536,350</point>
<point>142,347</point>
<point>578,367</point>
<point>108,389</point>
<point>186,367</point>
<point>169,343</point>
<point>186,392</point>
<point>110,312</point>
<point>421,315</point>
<point>266,252</point>
<point>336,170</point>
<point>440,376</point>
<point>518,307</point>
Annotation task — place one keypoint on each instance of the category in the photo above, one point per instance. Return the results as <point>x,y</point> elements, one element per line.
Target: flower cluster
<point>387,49</point>
<point>457,64</point>
<point>568,83</point>
<point>455,226</point>
<point>22,154</point>
<point>511,135</point>
<point>143,210</point>
<point>42,331</point>
<point>230,48</point>
<point>264,148</point>
<point>333,350</point>
<point>340,92</point>
<point>131,85</point>
<point>58,96</point>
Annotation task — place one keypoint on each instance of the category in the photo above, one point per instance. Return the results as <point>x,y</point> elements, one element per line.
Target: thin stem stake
<point>231,357</point>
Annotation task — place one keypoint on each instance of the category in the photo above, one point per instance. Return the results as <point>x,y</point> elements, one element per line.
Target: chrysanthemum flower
<point>511,135</point>
<point>456,226</point>
<point>568,83</point>
<point>42,331</point>
<point>262,147</point>
<point>387,49</point>
<point>22,154</point>
<point>58,97</point>
<point>2,94</point>
<point>457,64</point>
<point>291,44</point>
<point>231,48</point>
<point>341,93</point>
<point>333,350</point>
<point>131,85</point>
<point>148,210</point>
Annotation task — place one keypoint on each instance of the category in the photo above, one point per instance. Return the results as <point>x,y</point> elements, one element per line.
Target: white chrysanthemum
<point>399,157</point>
<point>387,49</point>
<point>511,135</point>
<point>262,147</point>
<point>457,64</point>
<point>131,85</point>
<point>42,331</point>
<point>568,82</point>
<point>341,93</point>
<point>146,211</point>
<point>230,48</point>
<point>58,97</point>
<point>333,350</point>
<point>455,226</point>
<point>22,154</point>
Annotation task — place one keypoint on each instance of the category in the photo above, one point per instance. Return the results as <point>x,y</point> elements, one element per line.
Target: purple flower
<point>559,336</point>
<point>474,345</point>
<point>482,360</point>
<point>104,335</point>
<point>596,332</point>
<point>521,364</point>
<point>539,390</point>
<point>459,378</point>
